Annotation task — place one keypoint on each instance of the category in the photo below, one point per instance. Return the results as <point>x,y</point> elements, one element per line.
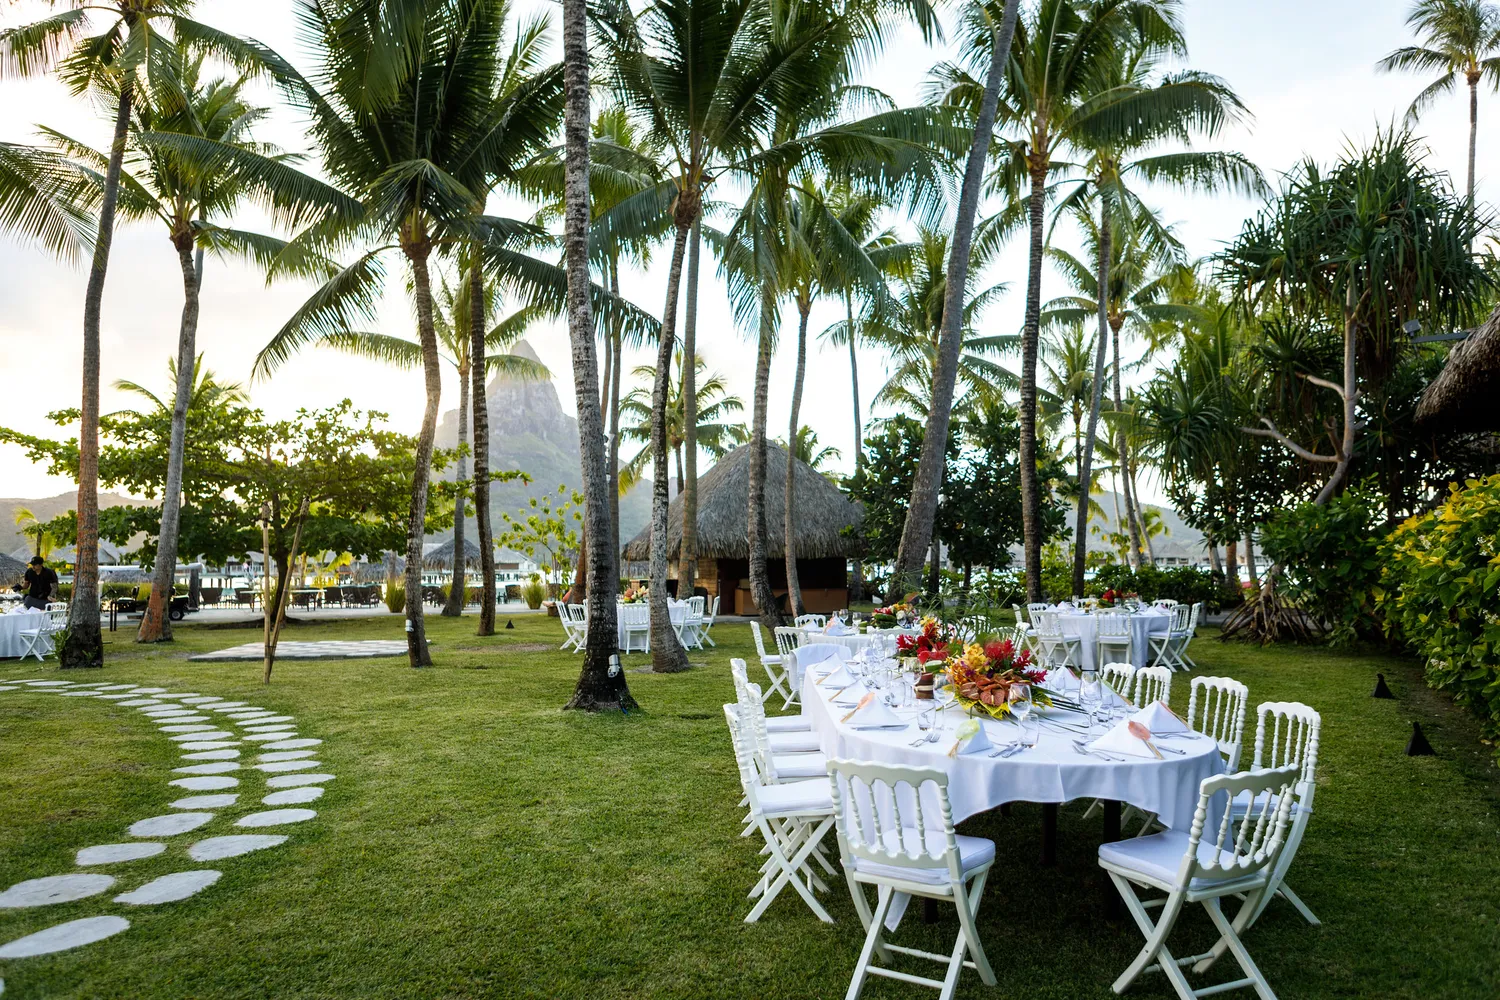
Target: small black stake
<point>1381,690</point>
<point>1418,745</point>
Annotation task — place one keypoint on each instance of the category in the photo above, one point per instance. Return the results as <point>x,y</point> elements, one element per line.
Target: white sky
<point>1305,69</point>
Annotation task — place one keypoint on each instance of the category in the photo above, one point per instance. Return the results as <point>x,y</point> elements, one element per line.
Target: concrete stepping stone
<point>218,767</point>
<point>243,713</point>
<point>117,687</point>
<point>287,765</point>
<point>80,694</point>
<point>276,817</point>
<point>296,780</point>
<point>294,796</point>
<point>204,783</point>
<point>140,702</point>
<point>171,713</point>
<point>73,934</point>
<point>254,723</point>
<point>170,888</point>
<point>293,744</point>
<point>233,845</point>
<point>179,719</point>
<point>10,687</point>
<point>285,734</point>
<point>169,825</point>
<point>95,684</point>
<point>54,889</point>
<point>108,854</point>
<point>205,802</point>
<point>178,727</point>
<point>114,697</point>
<point>212,755</point>
<point>209,745</point>
<point>199,734</point>
<point>287,755</point>
<point>49,684</point>
<point>226,705</point>
<point>180,695</point>
<point>202,699</point>
<point>141,690</point>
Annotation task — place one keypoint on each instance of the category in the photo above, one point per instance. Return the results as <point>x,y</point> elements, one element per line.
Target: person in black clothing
<point>39,583</point>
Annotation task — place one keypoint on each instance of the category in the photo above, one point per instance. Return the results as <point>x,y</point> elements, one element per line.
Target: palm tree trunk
<point>687,553</point>
<point>857,582</point>
<point>1215,565</point>
<point>916,534</point>
<point>617,348</point>
<point>84,646</point>
<point>667,654</point>
<point>601,682</point>
<point>789,517</point>
<point>1031,529</point>
<point>1123,457</point>
<point>458,590</point>
<point>1086,465</point>
<point>481,405</point>
<point>156,622</point>
<point>677,455</point>
<point>1250,567</point>
<point>1473,129</point>
<point>416,523</point>
<point>1232,563</point>
<point>760,580</point>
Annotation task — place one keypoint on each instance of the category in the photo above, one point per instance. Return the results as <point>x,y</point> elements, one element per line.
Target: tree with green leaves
<point>1457,38</point>
<point>805,447</point>
<point>715,433</point>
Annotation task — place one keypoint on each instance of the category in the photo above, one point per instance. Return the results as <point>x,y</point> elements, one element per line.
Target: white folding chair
<point>1293,742</point>
<point>775,724</point>
<point>806,656</point>
<point>636,621</point>
<point>1023,626</point>
<point>574,618</point>
<point>1152,684</point>
<point>1051,640</point>
<point>788,639</point>
<point>37,640</point>
<point>1216,708</point>
<point>775,669</point>
<point>1165,603</point>
<point>782,755</point>
<point>1114,634</point>
<point>792,818</point>
<point>1187,637</point>
<point>1237,859</point>
<point>708,623</point>
<point>691,631</point>
<point>802,621</point>
<point>897,841</point>
<point>1120,677</point>
<point>1164,648</point>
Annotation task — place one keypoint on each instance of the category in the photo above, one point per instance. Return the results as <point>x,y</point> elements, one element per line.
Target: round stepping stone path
<point>293,780</point>
<point>293,744</point>
<point>288,765</point>
<point>73,934</point>
<point>293,796</point>
<point>217,767</point>
<point>205,802</point>
<point>108,854</point>
<point>169,825</point>
<point>276,817</point>
<point>233,845</point>
<point>184,728</point>
<point>209,745</point>
<point>140,702</point>
<point>199,734</point>
<point>54,889</point>
<point>286,755</point>
<point>204,783</point>
<point>202,699</point>
<point>211,754</point>
<point>170,888</point>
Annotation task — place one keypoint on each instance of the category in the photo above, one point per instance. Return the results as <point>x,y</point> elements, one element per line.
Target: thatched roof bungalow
<point>827,524</point>
<point>1466,394</point>
<point>440,556</point>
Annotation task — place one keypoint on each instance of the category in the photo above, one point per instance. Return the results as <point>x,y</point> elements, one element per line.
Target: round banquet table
<point>11,626</point>
<point>853,642</point>
<point>1143,625</point>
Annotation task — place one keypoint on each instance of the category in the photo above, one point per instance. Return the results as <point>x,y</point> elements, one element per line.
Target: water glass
<point>1020,711</point>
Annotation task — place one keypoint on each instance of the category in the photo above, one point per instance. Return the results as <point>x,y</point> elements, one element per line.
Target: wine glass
<point>1020,711</point>
<point>1090,695</point>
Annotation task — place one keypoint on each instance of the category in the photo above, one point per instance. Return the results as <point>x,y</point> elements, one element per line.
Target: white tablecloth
<point>1143,625</point>
<point>11,625</point>
<point>853,642</point>
<point>1053,772</point>
<point>677,609</point>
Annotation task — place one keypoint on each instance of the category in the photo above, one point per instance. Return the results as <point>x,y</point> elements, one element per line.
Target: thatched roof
<point>11,570</point>
<point>440,556</point>
<point>822,512</point>
<point>1466,394</point>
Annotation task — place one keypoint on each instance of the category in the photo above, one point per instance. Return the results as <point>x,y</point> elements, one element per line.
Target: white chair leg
<point>789,867</point>
<point>1231,939</point>
<point>872,944</point>
<point>1155,952</point>
<point>968,905</point>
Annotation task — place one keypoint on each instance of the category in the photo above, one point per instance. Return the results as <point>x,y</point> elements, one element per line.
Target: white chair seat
<point>800,765</point>
<point>788,724</point>
<point>795,797</point>
<point>1158,857</point>
<point>805,742</point>
<point>973,852</point>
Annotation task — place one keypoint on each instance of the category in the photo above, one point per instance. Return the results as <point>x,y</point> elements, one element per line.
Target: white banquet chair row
<point>1054,647</point>
<point>38,639</point>
<point>1170,650</point>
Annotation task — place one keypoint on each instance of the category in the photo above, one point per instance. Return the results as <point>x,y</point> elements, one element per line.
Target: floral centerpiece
<point>1110,598</point>
<point>890,616</point>
<point>930,645</point>
<point>982,676</point>
<point>634,596</point>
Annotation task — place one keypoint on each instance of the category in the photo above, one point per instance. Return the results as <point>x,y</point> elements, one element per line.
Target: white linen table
<point>1143,625</point>
<point>853,642</point>
<point>12,624</point>
<point>677,609</point>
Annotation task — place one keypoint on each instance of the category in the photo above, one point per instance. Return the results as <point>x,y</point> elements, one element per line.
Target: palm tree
<point>133,35</point>
<point>804,448</point>
<point>1458,38</point>
<point>714,433</point>
<point>44,201</point>
<point>41,538</point>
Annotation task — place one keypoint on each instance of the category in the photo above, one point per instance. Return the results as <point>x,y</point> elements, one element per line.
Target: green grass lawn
<point>478,842</point>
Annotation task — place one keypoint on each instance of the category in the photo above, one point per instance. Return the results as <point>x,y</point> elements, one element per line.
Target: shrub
<point>1330,557</point>
<point>1185,584</point>
<point>1440,590</point>
<point>395,597</point>
<point>533,592</point>
<point>112,591</point>
<point>64,592</point>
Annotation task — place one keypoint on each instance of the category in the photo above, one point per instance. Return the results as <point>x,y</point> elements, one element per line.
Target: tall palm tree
<point>804,448</point>
<point>108,48</point>
<point>41,538</point>
<point>186,190</point>
<point>714,433</point>
<point>1457,38</point>
<point>44,201</point>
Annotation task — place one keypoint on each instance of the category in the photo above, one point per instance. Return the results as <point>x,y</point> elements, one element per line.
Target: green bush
<point>533,592</point>
<point>1330,559</point>
<point>395,597</point>
<point>64,592</point>
<point>113,591</point>
<point>1439,589</point>
<point>1185,584</point>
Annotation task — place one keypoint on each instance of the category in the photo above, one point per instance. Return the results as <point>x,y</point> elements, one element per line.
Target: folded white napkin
<point>840,678</point>
<point>1119,740</point>
<point>970,737</point>
<point>1062,680</point>
<point>840,630</point>
<point>1065,608</point>
<point>1160,719</point>
<point>874,715</point>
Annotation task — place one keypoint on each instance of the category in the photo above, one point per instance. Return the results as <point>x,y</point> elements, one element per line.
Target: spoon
<point>1143,734</point>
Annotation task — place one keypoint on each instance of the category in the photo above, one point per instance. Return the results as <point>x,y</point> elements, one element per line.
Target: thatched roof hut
<point>1464,396</point>
<point>822,515</point>
<point>11,570</point>
<point>440,556</point>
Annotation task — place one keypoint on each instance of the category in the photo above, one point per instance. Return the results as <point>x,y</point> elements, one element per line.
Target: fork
<point>1079,746</point>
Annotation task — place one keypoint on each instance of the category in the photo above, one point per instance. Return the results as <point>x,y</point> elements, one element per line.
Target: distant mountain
<point>13,542</point>
<point>529,431</point>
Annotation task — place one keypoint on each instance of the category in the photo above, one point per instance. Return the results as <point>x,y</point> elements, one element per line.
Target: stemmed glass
<point>1020,711</point>
<point>1091,695</point>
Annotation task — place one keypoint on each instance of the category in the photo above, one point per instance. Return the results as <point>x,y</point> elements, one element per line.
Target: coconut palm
<point>44,201</point>
<point>42,541</point>
<point>804,448</point>
<point>109,48</point>
<point>714,433</point>
<point>1457,38</point>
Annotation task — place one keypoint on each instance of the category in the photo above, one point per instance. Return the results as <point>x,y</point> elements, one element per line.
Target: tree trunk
<point>1140,513</point>
<point>84,646</point>
<point>579,588</point>
<point>618,348</point>
<point>417,251</point>
<point>687,553</point>
<point>1122,455</point>
<point>156,625</point>
<point>934,567</point>
<point>1250,561</point>
<point>859,440</point>
<point>917,532</point>
<point>1473,128</point>
<point>458,590</point>
<point>601,681</point>
<point>1350,395</point>
<point>667,654</point>
<point>1232,563</point>
<point>1086,464</point>
<point>760,580</point>
<point>789,518</point>
<point>481,404</point>
<point>676,451</point>
<point>1031,506</point>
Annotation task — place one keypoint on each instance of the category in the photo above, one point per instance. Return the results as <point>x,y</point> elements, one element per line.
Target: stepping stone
<point>202,699</point>
<point>176,719</point>
<point>140,702</point>
<point>276,817</point>
<point>294,780</point>
<point>209,745</point>
<point>293,796</point>
<point>79,694</point>
<point>73,934</point>
<point>287,755</point>
<point>206,783</point>
<point>205,802</point>
<point>117,687</point>
<point>54,889</point>
<point>264,724</point>
<point>169,825</point>
<point>140,690</point>
<point>218,767</point>
<point>95,684</point>
<point>284,734</point>
<point>244,713</point>
<point>181,695</point>
<point>49,684</point>
<point>114,697</point>
<point>293,744</point>
<point>178,728</point>
<point>9,687</point>
<point>170,713</point>
<point>170,888</point>
<point>212,755</point>
<point>225,706</point>
<point>288,765</point>
<point>108,854</point>
<point>197,733</point>
<point>233,846</point>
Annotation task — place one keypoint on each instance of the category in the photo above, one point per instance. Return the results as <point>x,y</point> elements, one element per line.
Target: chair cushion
<point>1158,856</point>
<point>788,724</point>
<point>805,742</point>
<point>813,795</point>
<point>800,765</point>
<point>972,853</point>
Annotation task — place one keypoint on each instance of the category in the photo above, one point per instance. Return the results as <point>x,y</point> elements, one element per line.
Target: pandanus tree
<point>188,190</point>
<point>109,48</point>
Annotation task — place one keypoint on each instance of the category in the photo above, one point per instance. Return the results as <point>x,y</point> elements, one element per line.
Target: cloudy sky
<point>1304,69</point>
